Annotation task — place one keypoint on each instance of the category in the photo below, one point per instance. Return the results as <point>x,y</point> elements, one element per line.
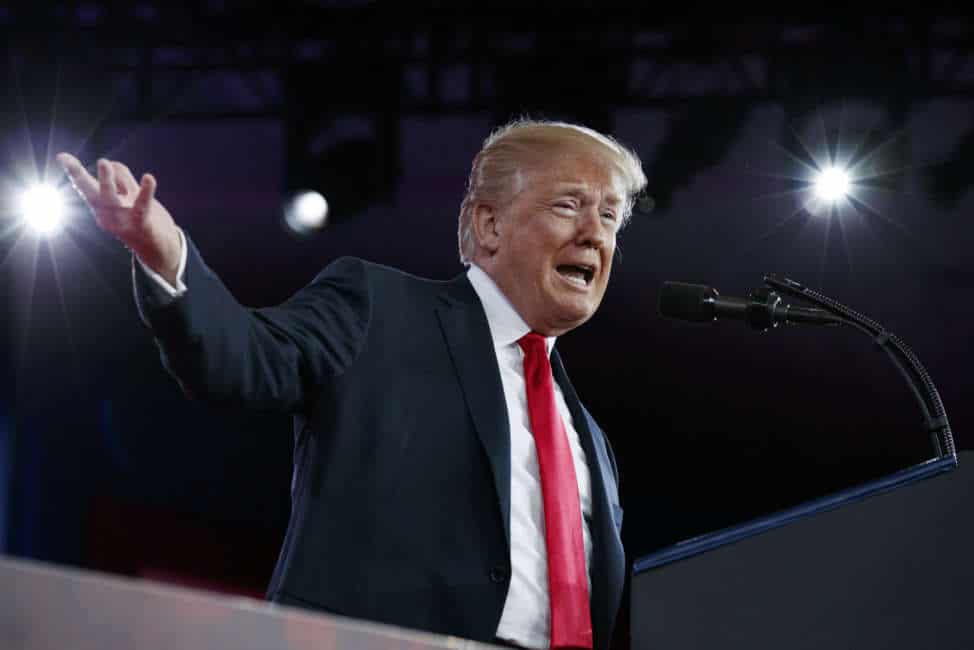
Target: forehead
<point>578,173</point>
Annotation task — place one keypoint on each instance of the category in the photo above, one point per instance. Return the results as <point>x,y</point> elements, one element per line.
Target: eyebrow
<point>579,190</point>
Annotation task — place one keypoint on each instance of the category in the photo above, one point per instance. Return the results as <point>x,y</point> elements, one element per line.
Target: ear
<point>485,228</point>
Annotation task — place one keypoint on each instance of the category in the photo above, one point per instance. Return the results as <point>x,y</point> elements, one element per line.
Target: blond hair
<point>497,173</point>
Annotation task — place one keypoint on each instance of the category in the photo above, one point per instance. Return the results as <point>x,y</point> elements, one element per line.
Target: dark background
<point>104,464</point>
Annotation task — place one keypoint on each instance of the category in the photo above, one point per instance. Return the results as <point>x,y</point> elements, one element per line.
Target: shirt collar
<point>506,325</point>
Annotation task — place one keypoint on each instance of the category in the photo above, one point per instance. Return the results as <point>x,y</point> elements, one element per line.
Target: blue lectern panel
<point>887,565</point>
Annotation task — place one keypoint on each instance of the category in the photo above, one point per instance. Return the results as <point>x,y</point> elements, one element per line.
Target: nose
<point>593,231</point>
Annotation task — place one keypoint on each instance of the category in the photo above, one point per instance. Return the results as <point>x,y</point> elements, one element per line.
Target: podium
<point>45,607</point>
<point>888,564</point>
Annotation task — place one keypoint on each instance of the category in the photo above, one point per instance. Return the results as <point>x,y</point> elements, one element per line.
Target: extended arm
<point>219,350</point>
<point>268,358</point>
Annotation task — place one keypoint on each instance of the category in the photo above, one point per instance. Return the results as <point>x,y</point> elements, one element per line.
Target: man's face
<point>555,241</point>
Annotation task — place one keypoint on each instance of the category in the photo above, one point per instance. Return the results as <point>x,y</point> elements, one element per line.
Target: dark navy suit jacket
<point>401,490</point>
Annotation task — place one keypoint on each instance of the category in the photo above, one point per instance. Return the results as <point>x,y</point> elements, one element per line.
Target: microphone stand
<point>917,377</point>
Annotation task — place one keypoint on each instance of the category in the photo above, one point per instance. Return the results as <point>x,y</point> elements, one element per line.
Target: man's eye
<point>609,216</point>
<point>565,204</point>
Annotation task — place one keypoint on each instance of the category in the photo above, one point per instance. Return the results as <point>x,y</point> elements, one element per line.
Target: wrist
<point>162,253</point>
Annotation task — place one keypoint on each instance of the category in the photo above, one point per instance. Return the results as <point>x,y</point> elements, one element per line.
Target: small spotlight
<point>832,184</point>
<point>306,212</point>
<point>42,209</point>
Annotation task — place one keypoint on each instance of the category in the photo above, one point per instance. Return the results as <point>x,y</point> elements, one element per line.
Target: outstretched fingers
<point>107,192</point>
<point>125,183</point>
<point>85,183</point>
<point>147,191</point>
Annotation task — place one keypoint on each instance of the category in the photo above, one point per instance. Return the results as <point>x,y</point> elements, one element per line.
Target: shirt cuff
<point>180,288</point>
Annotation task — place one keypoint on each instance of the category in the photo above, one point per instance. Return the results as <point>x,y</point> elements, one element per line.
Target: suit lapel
<point>607,580</point>
<point>468,338</point>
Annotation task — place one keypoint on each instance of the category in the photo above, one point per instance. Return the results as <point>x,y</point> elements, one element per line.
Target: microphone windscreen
<point>686,301</point>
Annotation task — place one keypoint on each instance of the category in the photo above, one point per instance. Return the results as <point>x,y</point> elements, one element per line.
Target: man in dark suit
<point>446,475</point>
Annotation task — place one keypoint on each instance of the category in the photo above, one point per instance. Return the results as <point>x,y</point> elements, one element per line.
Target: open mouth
<point>579,274</point>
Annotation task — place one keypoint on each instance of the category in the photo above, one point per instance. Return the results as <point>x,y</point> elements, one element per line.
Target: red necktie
<point>571,621</point>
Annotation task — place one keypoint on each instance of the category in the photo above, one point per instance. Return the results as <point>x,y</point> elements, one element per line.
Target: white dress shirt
<point>525,617</point>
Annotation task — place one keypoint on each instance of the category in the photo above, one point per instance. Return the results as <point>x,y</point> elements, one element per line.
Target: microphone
<point>762,309</point>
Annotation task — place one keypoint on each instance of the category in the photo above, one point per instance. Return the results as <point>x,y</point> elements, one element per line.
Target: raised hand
<point>128,210</point>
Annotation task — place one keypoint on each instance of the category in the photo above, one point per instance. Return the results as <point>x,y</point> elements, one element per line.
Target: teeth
<point>575,276</point>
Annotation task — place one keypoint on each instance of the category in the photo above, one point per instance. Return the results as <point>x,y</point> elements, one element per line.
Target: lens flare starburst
<point>832,184</point>
<point>42,209</point>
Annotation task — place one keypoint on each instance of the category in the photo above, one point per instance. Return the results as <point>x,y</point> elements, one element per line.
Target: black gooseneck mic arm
<point>919,380</point>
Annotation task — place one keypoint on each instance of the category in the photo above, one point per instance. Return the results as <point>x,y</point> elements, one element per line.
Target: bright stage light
<point>42,209</point>
<point>832,184</point>
<point>306,212</point>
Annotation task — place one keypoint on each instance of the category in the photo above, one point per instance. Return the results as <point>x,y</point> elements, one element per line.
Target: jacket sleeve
<point>270,358</point>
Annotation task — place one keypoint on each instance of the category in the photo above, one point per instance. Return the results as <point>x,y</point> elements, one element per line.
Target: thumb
<point>147,191</point>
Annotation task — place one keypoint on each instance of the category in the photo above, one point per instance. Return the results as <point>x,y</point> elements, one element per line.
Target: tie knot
<point>533,343</point>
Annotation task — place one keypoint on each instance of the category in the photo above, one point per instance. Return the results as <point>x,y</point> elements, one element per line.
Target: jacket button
<point>498,574</point>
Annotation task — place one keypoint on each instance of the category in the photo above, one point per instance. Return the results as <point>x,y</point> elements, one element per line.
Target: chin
<point>568,311</point>
<point>570,318</point>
